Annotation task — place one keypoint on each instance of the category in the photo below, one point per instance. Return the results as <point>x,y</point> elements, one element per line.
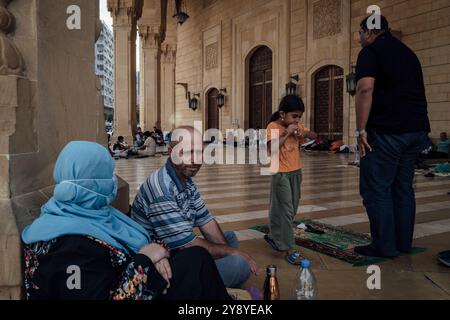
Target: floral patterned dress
<point>104,271</point>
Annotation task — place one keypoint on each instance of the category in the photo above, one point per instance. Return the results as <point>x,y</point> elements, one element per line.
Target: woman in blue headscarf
<point>82,248</point>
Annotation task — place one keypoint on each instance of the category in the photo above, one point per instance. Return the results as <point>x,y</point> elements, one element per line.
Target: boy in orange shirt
<point>286,169</point>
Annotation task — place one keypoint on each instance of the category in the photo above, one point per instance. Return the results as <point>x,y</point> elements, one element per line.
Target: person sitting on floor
<point>122,147</point>
<point>149,146</point>
<point>443,146</point>
<point>441,151</point>
<point>139,138</point>
<point>81,248</point>
<point>115,150</point>
<point>424,154</point>
<point>158,135</point>
<point>168,205</point>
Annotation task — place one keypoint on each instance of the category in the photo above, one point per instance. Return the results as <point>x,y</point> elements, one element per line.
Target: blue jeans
<point>233,269</point>
<point>386,186</point>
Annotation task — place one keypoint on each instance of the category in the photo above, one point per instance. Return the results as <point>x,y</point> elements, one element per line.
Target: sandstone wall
<point>56,99</point>
<point>304,35</point>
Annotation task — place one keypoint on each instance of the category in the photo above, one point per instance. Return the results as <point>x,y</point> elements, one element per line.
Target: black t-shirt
<point>399,102</point>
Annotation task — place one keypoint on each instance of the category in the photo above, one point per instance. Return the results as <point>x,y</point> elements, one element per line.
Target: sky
<point>104,14</point>
<point>106,17</point>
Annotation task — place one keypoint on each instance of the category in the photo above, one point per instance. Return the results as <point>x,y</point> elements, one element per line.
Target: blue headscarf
<point>81,203</point>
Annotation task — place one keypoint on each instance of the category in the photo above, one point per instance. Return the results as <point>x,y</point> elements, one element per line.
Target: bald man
<point>168,205</point>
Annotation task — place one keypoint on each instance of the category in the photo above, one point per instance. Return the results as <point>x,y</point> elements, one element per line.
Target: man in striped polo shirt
<point>168,205</point>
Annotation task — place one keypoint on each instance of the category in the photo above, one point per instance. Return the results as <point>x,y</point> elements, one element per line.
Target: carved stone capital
<point>11,61</point>
<point>168,53</point>
<point>150,36</point>
<point>125,12</point>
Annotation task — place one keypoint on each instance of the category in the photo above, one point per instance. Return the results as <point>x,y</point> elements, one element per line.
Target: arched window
<point>260,86</point>
<point>212,113</point>
<point>329,102</point>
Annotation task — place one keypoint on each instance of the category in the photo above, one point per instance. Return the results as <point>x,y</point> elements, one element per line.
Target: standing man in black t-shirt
<point>392,125</point>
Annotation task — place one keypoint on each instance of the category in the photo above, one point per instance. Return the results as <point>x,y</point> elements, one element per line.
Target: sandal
<point>294,258</point>
<point>444,258</point>
<point>272,243</point>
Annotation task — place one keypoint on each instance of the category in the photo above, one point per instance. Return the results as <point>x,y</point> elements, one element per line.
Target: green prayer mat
<point>334,241</point>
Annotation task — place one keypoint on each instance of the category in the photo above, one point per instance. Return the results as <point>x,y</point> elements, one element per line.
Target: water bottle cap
<point>271,270</point>
<point>306,263</point>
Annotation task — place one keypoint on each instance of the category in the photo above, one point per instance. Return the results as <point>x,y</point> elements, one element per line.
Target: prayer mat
<point>333,241</point>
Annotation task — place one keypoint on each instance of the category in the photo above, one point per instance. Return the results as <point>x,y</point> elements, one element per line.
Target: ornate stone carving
<point>212,56</point>
<point>11,61</point>
<point>150,35</point>
<point>125,11</point>
<point>168,53</point>
<point>327,18</point>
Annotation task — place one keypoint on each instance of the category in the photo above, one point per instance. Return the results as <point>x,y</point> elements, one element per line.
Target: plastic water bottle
<point>305,288</point>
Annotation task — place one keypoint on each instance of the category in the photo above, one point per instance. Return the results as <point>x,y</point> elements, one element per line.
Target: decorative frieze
<point>212,56</point>
<point>327,18</point>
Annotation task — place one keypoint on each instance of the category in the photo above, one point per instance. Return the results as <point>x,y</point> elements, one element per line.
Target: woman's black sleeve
<point>78,268</point>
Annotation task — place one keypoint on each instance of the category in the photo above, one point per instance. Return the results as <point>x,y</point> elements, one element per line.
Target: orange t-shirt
<point>289,155</point>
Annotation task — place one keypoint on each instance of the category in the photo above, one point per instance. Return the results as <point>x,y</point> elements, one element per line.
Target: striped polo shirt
<point>168,210</point>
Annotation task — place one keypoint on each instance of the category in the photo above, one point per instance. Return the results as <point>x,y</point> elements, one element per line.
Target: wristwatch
<point>360,132</point>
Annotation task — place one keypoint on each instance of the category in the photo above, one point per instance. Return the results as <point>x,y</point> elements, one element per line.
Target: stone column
<point>125,15</point>
<point>168,87</point>
<point>168,64</point>
<point>13,100</point>
<point>41,110</point>
<point>150,70</point>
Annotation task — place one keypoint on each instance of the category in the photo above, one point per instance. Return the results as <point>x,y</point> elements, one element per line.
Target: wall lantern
<point>291,87</point>
<point>192,102</point>
<point>351,82</point>
<point>180,12</point>
<point>220,99</point>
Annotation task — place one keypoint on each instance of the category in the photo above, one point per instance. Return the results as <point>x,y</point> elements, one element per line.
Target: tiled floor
<point>238,196</point>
